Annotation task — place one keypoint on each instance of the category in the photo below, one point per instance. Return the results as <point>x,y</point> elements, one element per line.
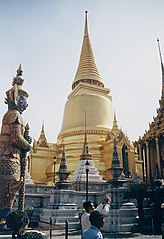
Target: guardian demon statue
<point>14,144</point>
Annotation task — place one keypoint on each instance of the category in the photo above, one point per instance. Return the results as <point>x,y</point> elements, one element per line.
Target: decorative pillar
<point>141,157</point>
<point>140,151</point>
<point>148,162</point>
<point>158,157</point>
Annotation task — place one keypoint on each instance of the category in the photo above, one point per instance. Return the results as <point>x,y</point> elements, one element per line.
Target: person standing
<point>104,207</point>
<point>93,232</point>
<point>85,222</point>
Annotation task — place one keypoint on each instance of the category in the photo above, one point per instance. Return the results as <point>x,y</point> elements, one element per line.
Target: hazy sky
<point>46,37</point>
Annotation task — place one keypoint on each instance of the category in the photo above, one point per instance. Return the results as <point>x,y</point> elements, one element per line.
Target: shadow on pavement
<point>119,235</point>
<point>76,234</point>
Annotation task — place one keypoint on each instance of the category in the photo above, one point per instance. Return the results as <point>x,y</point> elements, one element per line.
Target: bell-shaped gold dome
<point>98,108</point>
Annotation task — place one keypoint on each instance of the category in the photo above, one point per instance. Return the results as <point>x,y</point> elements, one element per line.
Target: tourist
<point>97,221</point>
<point>104,207</point>
<point>85,222</point>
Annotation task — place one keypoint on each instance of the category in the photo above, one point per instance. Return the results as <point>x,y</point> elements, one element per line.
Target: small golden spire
<point>115,126</point>
<point>42,141</point>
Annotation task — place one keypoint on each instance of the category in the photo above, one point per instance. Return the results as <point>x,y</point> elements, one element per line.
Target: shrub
<point>29,208</point>
<point>32,235</point>
<point>17,220</point>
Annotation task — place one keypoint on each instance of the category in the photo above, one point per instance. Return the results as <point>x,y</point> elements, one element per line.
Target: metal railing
<point>52,227</point>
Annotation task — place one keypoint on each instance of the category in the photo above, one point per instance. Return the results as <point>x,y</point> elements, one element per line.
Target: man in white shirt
<point>85,222</point>
<point>104,207</point>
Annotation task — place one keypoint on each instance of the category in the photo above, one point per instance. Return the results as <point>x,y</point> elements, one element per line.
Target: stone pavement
<point>74,234</point>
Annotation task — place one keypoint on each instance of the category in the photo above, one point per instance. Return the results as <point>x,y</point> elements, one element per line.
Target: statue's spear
<point>21,199</point>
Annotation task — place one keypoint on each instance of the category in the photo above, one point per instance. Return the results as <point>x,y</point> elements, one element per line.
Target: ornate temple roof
<point>87,71</point>
<point>156,127</point>
<point>117,133</point>
<point>42,141</point>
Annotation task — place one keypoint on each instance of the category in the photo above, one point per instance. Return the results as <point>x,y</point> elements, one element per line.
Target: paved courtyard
<point>74,234</point>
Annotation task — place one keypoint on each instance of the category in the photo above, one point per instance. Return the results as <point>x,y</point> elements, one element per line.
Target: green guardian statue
<point>14,144</point>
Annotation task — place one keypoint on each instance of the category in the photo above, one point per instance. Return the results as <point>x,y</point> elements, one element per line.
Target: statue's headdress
<point>16,91</point>
<point>18,79</point>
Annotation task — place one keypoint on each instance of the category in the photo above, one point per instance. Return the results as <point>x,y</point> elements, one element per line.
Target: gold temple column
<point>158,157</point>
<point>140,151</point>
<point>141,159</point>
<point>148,162</point>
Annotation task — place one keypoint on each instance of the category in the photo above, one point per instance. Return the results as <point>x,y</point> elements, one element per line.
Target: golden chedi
<point>88,94</point>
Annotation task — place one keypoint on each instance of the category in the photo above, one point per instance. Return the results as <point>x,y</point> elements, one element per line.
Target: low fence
<point>52,227</point>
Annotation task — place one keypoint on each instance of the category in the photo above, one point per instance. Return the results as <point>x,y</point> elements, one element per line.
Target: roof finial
<point>43,126</point>
<point>86,24</point>
<point>115,126</point>
<point>162,67</point>
<point>42,141</point>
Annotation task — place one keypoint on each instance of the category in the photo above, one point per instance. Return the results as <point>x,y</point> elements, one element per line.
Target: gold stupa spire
<point>87,71</point>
